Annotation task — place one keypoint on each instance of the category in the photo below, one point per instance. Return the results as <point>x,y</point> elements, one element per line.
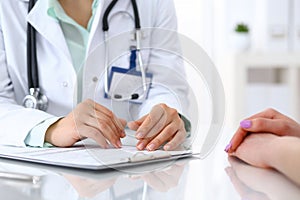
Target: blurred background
<point>255,45</point>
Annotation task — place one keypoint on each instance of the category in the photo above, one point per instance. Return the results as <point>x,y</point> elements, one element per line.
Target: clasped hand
<point>162,126</point>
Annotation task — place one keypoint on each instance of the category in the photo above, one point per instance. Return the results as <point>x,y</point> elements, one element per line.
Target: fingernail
<point>151,147</point>
<point>123,134</point>
<point>139,135</point>
<point>167,147</point>
<point>119,143</point>
<point>228,147</point>
<point>141,146</point>
<point>246,124</point>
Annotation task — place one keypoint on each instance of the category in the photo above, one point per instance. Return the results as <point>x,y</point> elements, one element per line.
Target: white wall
<point>274,26</point>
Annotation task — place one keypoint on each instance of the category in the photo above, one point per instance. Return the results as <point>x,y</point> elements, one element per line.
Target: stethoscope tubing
<point>32,65</point>
<point>105,28</point>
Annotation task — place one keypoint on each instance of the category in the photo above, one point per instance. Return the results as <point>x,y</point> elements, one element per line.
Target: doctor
<point>66,34</point>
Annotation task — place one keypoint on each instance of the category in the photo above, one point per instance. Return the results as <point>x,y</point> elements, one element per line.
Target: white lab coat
<point>57,76</point>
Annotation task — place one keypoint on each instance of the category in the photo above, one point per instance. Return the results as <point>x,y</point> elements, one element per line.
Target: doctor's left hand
<point>162,125</point>
<point>88,120</point>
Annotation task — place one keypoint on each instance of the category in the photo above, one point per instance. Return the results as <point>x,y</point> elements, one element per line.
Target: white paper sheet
<point>89,156</point>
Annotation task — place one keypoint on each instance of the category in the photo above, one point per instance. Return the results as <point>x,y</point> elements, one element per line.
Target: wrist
<point>53,132</point>
<point>49,133</point>
<point>62,133</point>
<point>277,151</point>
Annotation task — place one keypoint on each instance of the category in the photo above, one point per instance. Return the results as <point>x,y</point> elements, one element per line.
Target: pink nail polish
<point>228,147</point>
<point>246,124</point>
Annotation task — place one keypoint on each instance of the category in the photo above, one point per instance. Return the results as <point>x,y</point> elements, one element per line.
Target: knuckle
<point>93,134</point>
<point>103,125</point>
<point>88,101</point>
<point>161,123</point>
<point>110,114</point>
<point>259,123</point>
<point>183,135</point>
<point>285,126</point>
<point>163,105</point>
<point>173,113</point>
<point>158,141</point>
<point>272,111</point>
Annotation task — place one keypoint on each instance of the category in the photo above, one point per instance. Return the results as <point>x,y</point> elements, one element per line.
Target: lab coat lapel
<point>48,27</point>
<point>96,35</point>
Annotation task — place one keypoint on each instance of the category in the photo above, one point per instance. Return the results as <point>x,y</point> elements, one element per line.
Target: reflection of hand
<point>268,121</point>
<point>164,180</point>
<point>87,120</point>
<point>161,125</point>
<point>256,183</point>
<point>89,187</point>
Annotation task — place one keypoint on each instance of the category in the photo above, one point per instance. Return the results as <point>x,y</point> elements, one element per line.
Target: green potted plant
<point>242,36</point>
<point>241,28</point>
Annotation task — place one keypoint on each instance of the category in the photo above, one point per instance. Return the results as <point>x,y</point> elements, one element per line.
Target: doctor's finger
<point>165,135</point>
<point>109,134</point>
<point>115,124</point>
<point>101,120</point>
<point>134,125</point>
<point>105,111</point>
<point>169,116</point>
<point>105,127</point>
<point>158,127</point>
<point>153,118</point>
<point>96,136</point>
<point>176,141</point>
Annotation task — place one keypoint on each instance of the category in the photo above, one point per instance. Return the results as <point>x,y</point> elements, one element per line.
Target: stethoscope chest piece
<point>35,100</point>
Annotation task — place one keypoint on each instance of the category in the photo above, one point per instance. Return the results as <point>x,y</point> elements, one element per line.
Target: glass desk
<point>213,178</point>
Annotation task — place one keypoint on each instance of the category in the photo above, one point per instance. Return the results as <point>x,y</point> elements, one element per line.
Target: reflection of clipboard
<point>90,156</point>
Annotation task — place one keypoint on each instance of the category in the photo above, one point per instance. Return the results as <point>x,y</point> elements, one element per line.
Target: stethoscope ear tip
<point>118,96</point>
<point>135,96</point>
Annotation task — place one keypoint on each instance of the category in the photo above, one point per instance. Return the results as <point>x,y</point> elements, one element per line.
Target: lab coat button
<point>95,79</point>
<point>65,84</point>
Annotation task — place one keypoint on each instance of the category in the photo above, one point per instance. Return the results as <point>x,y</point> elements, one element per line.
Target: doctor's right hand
<point>88,120</point>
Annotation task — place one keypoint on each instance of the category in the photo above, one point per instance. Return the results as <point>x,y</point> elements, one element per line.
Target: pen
<point>20,177</point>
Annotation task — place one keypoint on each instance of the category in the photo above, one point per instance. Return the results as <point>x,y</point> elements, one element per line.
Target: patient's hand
<point>268,121</point>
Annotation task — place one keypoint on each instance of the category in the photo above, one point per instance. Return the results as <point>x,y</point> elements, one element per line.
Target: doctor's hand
<point>162,126</point>
<point>164,179</point>
<point>88,120</point>
<point>268,121</point>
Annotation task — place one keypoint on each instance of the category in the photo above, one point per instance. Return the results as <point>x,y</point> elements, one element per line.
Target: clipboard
<point>90,156</point>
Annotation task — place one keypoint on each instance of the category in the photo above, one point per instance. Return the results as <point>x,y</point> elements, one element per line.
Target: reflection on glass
<point>260,184</point>
<point>165,183</point>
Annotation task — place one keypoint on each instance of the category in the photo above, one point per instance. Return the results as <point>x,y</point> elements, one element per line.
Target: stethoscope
<point>36,100</point>
<point>137,51</point>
